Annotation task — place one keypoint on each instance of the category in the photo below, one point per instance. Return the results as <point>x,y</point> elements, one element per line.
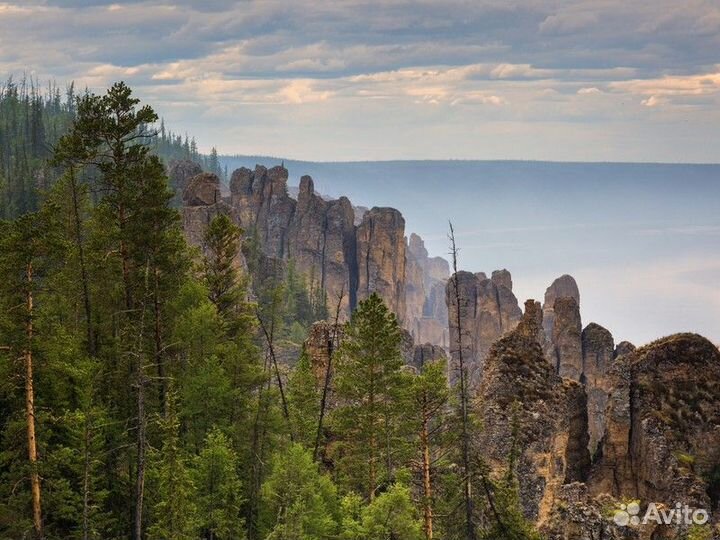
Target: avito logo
<point>629,515</point>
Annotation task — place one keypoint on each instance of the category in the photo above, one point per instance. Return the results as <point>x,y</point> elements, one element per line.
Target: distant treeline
<point>33,117</point>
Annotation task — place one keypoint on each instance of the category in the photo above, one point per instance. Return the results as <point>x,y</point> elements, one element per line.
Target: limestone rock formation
<point>622,348</point>
<point>201,204</point>
<point>202,190</point>
<point>320,345</point>
<point>346,257</point>
<point>426,312</point>
<point>488,310</point>
<point>564,286</point>
<point>519,386</point>
<point>578,516</point>
<point>179,174</point>
<point>427,352</point>
<point>598,350</point>
<point>566,338</point>
<point>381,257</point>
<point>662,441</point>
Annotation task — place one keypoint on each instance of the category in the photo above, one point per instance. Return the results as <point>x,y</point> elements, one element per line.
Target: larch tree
<point>369,385</point>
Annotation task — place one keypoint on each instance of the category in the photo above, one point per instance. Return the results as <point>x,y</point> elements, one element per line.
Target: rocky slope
<point>656,429</point>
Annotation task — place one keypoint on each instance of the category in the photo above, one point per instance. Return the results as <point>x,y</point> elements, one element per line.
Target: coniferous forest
<point>141,390</point>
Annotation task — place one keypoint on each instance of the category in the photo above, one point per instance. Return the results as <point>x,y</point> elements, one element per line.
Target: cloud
<point>525,65</point>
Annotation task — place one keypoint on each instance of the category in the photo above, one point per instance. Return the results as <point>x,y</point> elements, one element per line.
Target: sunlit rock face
<point>519,388</point>
<point>346,252</point>
<point>486,310</point>
<point>662,438</point>
<point>425,309</point>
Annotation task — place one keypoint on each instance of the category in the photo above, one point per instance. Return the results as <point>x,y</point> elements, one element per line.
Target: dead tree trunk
<point>30,406</point>
<point>464,419</point>
<point>332,347</point>
<point>427,483</point>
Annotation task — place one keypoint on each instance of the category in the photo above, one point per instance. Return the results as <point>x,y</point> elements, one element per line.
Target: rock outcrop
<point>487,311</point>
<point>201,203</point>
<point>662,440</point>
<point>598,350</point>
<point>520,388</point>
<point>179,174</point>
<point>566,338</point>
<point>320,345</point>
<point>381,257</point>
<point>425,294</point>
<point>346,257</point>
<point>563,287</point>
<point>622,348</point>
<point>427,352</point>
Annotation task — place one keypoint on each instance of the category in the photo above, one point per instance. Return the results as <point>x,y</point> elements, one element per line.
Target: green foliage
<point>299,502</point>
<point>219,489</point>
<point>222,243</point>
<point>304,401</point>
<point>391,516</point>
<point>148,353</point>
<point>174,513</point>
<point>370,385</point>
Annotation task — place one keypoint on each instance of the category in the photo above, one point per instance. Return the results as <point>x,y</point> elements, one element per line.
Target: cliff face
<point>598,350</point>
<point>201,203</point>
<point>488,310</point>
<point>381,258</point>
<point>653,414</point>
<point>662,441</point>
<point>518,385</point>
<point>425,294</point>
<point>346,252</point>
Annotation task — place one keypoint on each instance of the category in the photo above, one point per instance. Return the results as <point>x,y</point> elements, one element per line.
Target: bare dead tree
<point>271,350</point>
<point>464,417</point>
<point>332,345</point>
<point>30,405</point>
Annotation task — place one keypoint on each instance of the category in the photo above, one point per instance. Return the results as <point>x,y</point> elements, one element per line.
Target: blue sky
<point>600,80</point>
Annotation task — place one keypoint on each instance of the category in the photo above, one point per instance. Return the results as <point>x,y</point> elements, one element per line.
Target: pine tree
<point>430,395</point>
<point>304,401</point>
<point>369,385</point>
<point>174,512</point>
<point>30,246</point>
<point>300,503</point>
<point>219,489</point>
<point>391,516</point>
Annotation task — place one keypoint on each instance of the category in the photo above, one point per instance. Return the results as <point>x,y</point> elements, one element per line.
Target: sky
<point>569,80</point>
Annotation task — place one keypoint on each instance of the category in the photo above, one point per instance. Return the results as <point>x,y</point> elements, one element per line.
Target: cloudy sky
<point>601,80</point>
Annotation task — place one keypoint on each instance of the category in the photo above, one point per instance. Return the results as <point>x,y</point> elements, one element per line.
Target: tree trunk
<point>92,349</point>
<point>467,491</point>
<point>427,483</point>
<point>140,473</point>
<point>30,408</point>
<point>159,357</point>
<point>332,346</point>
<point>86,481</point>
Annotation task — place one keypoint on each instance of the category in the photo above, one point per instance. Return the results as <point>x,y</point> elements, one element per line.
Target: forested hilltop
<point>33,117</point>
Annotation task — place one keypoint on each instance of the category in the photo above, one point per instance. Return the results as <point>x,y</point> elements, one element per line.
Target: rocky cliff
<point>519,386</point>
<point>487,310</point>
<point>346,253</point>
<point>425,294</point>
<point>662,441</point>
<point>653,415</point>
